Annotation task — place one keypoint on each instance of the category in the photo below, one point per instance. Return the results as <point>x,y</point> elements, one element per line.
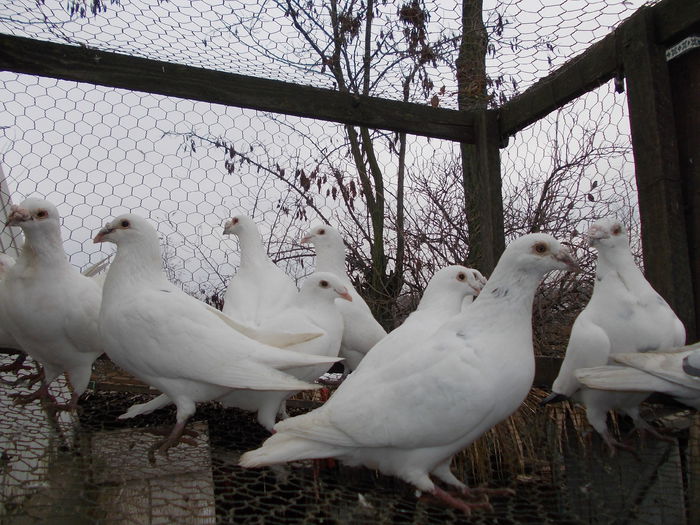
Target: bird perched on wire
<point>174,342</point>
<point>49,307</point>
<point>674,372</point>
<point>624,315</point>
<point>408,417</point>
<point>259,290</point>
<point>313,310</point>
<point>362,331</point>
<point>442,299</point>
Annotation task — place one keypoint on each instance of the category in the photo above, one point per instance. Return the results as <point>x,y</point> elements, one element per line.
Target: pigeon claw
<point>459,504</point>
<point>173,439</point>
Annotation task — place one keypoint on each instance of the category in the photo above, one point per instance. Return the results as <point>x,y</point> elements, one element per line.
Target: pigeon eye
<point>540,247</point>
<point>321,231</point>
<point>617,229</point>
<point>125,224</point>
<point>323,284</point>
<point>234,220</point>
<point>42,213</point>
<point>461,276</point>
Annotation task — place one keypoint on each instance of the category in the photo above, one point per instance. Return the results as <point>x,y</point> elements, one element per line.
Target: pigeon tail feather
<point>281,448</point>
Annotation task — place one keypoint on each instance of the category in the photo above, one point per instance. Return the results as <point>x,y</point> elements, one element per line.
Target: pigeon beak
<point>17,216</point>
<point>227,227</point>
<point>100,237</point>
<point>565,257</point>
<point>343,292</point>
<point>306,239</point>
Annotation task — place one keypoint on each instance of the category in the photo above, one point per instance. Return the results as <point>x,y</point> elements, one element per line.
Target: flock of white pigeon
<point>410,399</point>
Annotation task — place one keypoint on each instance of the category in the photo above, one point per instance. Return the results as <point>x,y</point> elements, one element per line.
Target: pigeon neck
<point>433,298</point>
<point>332,261</point>
<point>252,250</point>
<point>621,261</point>
<point>44,248</point>
<point>136,263</point>
<point>510,286</point>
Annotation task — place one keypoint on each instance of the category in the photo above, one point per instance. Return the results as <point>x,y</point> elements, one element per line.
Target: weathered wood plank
<point>484,200</point>
<point>24,55</point>
<point>35,471</point>
<point>595,66</point>
<point>664,240</point>
<point>673,19</point>
<point>684,71</point>
<point>176,489</point>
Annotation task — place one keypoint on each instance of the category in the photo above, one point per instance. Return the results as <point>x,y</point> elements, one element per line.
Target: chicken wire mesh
<point>93,468</point>
<point>97,152</point>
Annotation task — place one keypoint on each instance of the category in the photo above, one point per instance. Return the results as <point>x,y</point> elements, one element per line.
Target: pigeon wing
<point>588,346</point>
<point>428,402</point>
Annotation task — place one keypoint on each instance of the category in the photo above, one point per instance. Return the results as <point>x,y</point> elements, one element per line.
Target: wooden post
<point>481,170</point>
<point>664,240</point>
<point>684,71</point>
<point>485,201</point>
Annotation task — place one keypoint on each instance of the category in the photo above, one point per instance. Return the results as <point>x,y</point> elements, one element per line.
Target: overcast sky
<point>97,152</point>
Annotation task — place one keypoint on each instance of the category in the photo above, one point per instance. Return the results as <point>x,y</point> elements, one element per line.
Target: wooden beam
<point>82,64</point>
<point>484,199</point>
<point>664,239</point>
<point>673,19</point>
<point>684,72</point>
<point>592,68</point>
<point>595,66</point>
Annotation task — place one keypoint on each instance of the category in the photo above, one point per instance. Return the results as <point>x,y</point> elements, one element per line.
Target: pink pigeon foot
<point>175,436</point>
<point>460,504</point>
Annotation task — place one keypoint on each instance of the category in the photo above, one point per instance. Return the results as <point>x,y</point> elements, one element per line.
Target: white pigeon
<point>625,314</point>
<point>49,308</point>
<point>442,299</point>
<point>674,372</point>
<point>362,331</point>
<point>259,289</point>
<point>408,417</point>
<point>174,342</point>
<point>313,311</point>
<point>8,342</point>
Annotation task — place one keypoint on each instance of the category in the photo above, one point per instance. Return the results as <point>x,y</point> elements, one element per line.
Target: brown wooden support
<point>684,71</point>
<point>82,64</point>
<point>592,68</point>
<point>664,240</point>
<point>482,184</point>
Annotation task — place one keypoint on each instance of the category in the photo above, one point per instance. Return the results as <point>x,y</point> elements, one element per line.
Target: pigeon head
<point>322,236</point>
<point>325,284</point>
<point>607,233</point>
<point>456,279</point>
<point>235,225</point>
<point>34,214</point>
<point>538,253</point>
<point>128,228</point>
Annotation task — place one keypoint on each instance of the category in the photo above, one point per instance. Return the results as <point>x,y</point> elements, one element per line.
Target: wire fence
<point>97,152</point>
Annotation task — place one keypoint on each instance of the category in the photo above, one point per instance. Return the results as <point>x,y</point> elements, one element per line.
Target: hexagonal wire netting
<point>97,152</point>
